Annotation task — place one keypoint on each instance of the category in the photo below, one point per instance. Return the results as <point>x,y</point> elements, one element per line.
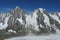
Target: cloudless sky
<point>30,5</point>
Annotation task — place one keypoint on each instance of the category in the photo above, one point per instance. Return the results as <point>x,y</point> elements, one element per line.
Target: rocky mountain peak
<point>17,7</point>
<point>41,10</point>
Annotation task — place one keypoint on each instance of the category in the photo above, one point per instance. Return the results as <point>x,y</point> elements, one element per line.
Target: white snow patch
<point>20,20</point>
<point>55,17</point>
<point>5,25</point>
<point>59,14</point>
<point>1,24</point>
<point>32,20</point>
<point>41,26</point>
<point>11,31</point>
<point>46,19</point>
<point>48,37</point>
<point>57,30</point>
<point>41,9</point>
<point>16,7</point>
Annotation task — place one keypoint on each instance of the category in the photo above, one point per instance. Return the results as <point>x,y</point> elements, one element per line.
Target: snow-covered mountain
<point>44,21</point>
<point>39,21</point>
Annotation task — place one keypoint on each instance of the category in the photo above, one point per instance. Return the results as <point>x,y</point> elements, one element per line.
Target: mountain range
<point>38,22</point>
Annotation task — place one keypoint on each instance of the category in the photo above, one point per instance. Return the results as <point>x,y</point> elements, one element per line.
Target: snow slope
<point>56,17</point>
<point>46,19</point>
<point>4,26</point>
<point>32,20</point>
<point>48,37</point>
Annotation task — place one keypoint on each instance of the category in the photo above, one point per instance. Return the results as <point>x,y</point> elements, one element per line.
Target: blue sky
<point>30,5</point>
